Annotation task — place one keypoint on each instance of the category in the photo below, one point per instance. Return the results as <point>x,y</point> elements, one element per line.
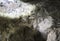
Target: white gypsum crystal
<point>15,8</point>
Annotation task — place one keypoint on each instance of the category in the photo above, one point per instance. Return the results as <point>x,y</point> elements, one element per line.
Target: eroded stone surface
<point>15,8</point>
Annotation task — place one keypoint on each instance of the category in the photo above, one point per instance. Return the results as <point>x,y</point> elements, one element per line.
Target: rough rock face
<point>15,8</point>
<point>29,20</point>
<point>13,27</point>
<point>54,35</point>
<point>13,30</point>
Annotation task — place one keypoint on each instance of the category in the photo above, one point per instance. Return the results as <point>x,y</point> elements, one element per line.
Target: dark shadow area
<point>26,34</point>
<point>38,37</point>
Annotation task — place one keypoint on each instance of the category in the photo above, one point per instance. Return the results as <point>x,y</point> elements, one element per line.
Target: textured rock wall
<point>29,20</point>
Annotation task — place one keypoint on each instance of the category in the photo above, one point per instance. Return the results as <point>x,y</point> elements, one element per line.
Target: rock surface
<point>32,20</point>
